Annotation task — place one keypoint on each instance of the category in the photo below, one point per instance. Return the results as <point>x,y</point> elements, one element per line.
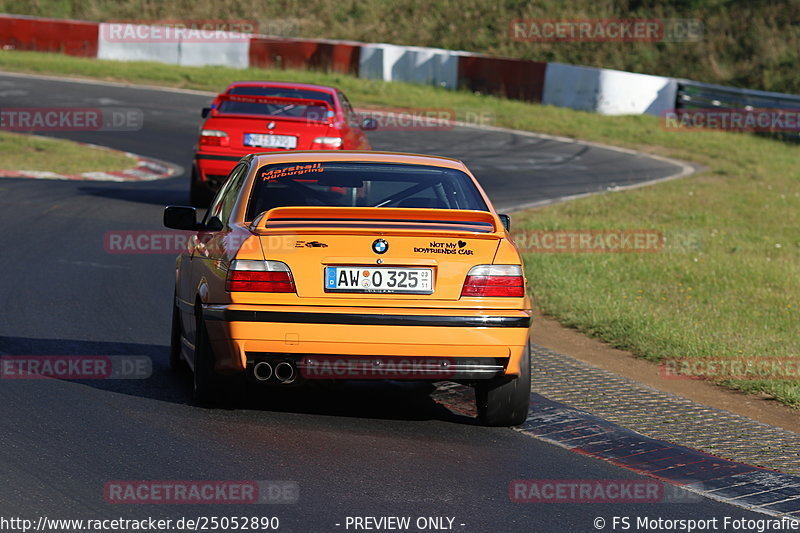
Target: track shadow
<point>390,400</point>
<point>394,400</point>
<point>172,195</point>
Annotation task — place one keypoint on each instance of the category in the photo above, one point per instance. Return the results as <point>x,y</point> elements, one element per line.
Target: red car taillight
<point>327,143</point>
<point>214,138</point>
<point>245,275</point>
<point>494,280</point>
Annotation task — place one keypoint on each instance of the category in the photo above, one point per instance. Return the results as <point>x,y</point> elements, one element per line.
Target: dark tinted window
<point>349,113</point>
<point>279,109</point>
<point>225,199</point>
<point>354,184</point>
<point>284,92</point>
<point>287,109</point>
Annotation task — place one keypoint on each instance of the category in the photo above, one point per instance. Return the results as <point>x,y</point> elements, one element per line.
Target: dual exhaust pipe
<point>283,372</point>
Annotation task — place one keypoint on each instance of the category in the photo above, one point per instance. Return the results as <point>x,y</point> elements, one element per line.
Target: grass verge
<point>27,152</point>
<point>725,285</point>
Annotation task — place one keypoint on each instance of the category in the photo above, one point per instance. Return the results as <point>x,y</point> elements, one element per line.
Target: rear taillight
<point>327,143</point>
<point>214,138</point>
<point>246,275</point>
<point>494,280</point>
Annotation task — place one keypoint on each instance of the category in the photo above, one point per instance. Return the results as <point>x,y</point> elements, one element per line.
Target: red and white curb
<point>145,169</point>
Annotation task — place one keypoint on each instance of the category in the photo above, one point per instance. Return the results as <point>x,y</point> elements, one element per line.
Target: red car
<point>258,116</point>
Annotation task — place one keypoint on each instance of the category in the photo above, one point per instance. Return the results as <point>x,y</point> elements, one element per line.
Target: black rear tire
<point>210,389</point>
<point>505,401</point>
<point>205,383</point>
<point>176,362</point>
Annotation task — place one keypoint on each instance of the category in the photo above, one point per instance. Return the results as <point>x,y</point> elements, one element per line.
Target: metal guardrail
<point>696,95</point>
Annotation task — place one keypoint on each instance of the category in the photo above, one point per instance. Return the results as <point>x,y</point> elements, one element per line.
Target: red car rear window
<point>278,109</point>
<point>284,92</point>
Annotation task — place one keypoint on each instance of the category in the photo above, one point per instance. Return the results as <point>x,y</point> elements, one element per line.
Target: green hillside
<point>746,43</point>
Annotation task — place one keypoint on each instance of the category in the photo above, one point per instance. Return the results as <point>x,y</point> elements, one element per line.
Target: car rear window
<point>288,109</point>
<point>283,92</point>
<point>359,184</point>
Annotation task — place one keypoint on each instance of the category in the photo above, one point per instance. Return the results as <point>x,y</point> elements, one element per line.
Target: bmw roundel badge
<point>380,246</point>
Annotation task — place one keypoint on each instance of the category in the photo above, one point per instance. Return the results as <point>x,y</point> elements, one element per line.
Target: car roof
<point>315,156</point>
<point>283,84</point>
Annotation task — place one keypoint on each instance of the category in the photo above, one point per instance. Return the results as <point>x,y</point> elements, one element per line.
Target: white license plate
<point>380,279</point>
<point>261,140</point>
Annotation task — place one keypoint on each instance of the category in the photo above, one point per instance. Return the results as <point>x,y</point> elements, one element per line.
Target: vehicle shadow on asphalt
<point>386,400</point>
<point>393,400</point>
<point>137,193</point>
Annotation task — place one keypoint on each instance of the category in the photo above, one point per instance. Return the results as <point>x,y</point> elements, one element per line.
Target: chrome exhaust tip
<point>284,372</point>
<point>262,371</point>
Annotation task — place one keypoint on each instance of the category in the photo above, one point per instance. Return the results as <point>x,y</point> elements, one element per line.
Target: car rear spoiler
<point>358,220</point>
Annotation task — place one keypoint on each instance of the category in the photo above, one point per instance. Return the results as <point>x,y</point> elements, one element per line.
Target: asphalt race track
<point>359,451</point>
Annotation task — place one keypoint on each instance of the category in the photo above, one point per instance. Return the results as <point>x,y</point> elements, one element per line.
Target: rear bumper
<point>354,367</point>
<point>245,333</point>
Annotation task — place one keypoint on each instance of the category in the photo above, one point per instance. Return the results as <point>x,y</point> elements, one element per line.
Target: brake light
<point>327,143</point>
<point>494,280</point>
<point>214,138</point>
<point>246,275</point>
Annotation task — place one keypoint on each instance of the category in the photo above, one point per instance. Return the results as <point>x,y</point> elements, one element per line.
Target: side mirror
<point>179,217</point>
<point>369,124</point>
<point>506,220</point>
<point>214,224</point>
<point>205,112</point>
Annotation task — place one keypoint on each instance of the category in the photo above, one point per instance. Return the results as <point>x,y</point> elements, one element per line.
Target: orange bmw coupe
<point>352,265</point>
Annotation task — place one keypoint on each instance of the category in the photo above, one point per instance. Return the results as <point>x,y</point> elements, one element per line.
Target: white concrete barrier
<point>137,42</point>
<point>608,92</point>
<point>370,63</point>
<point>234,54</point>
<point>413,64</point>
<point>126,42</point>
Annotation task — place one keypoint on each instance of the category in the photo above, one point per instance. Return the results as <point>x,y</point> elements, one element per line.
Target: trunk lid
<point>295,120</point>
<point>312,240</point>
